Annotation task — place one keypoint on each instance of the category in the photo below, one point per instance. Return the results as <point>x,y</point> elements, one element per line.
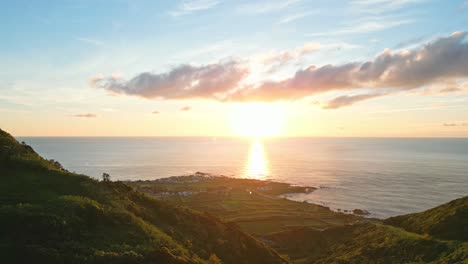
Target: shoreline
<point>269,188</point>
<point>256,206</point>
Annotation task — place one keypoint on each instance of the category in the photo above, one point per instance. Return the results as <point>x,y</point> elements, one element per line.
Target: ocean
<point>386,176</point>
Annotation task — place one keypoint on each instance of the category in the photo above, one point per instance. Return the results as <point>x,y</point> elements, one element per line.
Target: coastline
<point>266,187</point>
<point>257,206</point>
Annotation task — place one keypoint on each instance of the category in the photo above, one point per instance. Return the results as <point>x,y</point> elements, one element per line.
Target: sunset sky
<point>229,68</point>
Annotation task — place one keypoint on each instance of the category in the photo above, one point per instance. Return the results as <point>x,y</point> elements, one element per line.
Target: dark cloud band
<point>444,59</point>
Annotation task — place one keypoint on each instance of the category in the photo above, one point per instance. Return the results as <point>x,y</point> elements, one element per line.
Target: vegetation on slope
<point>309,233</point>
<point>447,221</point>
<point>49,215</point>
<point>367,243</point>
<point>250,204</point>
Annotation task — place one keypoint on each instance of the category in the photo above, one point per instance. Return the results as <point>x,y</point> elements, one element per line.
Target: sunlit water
<point>384,176</point>
<point>257,166</point>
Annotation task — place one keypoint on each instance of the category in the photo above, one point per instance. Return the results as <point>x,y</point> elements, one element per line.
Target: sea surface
<point>386,176</point>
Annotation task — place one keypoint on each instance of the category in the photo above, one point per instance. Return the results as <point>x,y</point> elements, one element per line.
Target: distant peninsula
<point>254,205</point>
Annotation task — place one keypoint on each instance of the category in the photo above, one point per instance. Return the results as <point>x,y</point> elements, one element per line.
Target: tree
<point>105,177</point>
<point>56,164</point>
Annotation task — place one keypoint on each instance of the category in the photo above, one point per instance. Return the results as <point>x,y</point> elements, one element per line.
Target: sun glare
<point>257,163</point>
<point>257,119</point>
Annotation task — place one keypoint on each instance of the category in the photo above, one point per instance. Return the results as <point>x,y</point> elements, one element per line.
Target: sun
<point>257,119</point>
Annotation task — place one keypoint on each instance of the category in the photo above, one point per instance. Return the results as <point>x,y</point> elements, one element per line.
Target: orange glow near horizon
<point>257,120</point>
<point>257,165</point>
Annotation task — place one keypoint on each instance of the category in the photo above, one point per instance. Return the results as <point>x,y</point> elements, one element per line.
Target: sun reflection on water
<point>257,165</point>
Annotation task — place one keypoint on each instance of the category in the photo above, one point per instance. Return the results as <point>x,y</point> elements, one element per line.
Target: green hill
<point>448,221</point>
<point>435,236</point>
<point>367,243</point>
<point>49,215</point>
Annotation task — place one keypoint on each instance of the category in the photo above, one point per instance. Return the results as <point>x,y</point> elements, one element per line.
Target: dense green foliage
<point>437,235</point>
<point>448,221</point>
<point>49,215</point>
<point>367,243</point>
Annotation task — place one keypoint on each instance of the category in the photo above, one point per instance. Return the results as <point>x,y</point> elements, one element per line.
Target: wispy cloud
<point>155,112</point>
<point>215,48</point>
<point>189,6</point>
<point>450,90</point>
<point>89,115</point>
<point>375,24</point>
<point>464,5</point>
<point>347,100</point>
<point>465,124</point>
<point>91,41</point>
<point>294,17</point>
<point>263,7</point>
<point>372,16</point>
<point>410,42</point>
<point>186,108</point>
<point>279,58</point>
<point>381,6</point>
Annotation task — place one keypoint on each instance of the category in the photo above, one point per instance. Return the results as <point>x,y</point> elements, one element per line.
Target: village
<point>200,182</point>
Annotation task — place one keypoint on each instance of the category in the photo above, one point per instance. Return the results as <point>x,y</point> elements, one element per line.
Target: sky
<point>357,68</point>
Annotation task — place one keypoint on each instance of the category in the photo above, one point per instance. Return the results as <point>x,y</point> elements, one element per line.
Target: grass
<point>49,215</point>
<point>448,221</point>
<point>246,203</point>
<point>366,243</point>
<point>309,233</point>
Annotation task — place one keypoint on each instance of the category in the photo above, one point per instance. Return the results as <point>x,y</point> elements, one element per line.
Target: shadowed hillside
<point>448,221</point>
<point>435,236</point>
<point>49,215</point>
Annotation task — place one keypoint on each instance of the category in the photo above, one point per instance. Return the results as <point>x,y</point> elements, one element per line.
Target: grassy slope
<point>433,236</point>
<point>448,221</point>
<point>297,226</point>
<point>258,212</point>
<point>368,243</point>
<point>49,215</point>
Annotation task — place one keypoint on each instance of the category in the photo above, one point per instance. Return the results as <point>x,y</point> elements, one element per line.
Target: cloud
<point>455,124</point>
<point>265,7</point>
<point>364,27</point>
<point>347,100</point>
<point>450,90</point>
<point>449,124</point>
<point>464,5</point>
<point>186,108</point>
<point>88,115</point>
<point>182,82</point>
<point>382,6</point>
<point>155,112</point>
<point>190,6</point>
<point>91,41</point>
<point>294,17</point>
<point>277,59</point>
<point>410,42</point>
<point>443,60</point>
<point>445,87</point>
